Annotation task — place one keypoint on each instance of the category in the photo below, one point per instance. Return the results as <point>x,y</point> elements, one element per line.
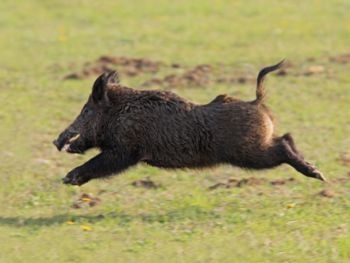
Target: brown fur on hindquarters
<point>164,130</point>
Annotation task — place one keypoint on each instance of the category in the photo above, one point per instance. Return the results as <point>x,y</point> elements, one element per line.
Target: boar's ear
<point>101,84</point>
<point>112,78</point>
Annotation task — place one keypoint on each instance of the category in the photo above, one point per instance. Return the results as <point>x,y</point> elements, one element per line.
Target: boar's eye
<point>87,111</point>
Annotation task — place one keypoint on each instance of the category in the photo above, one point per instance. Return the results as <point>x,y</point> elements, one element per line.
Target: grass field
<point>270,216</point>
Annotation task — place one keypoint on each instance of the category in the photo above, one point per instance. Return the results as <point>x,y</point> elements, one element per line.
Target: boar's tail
<point>260,90</point>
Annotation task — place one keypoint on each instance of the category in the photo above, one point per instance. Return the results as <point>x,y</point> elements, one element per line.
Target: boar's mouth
<point>65,139</point>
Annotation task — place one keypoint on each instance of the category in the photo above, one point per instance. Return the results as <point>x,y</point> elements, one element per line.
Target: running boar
<point>161,129</point>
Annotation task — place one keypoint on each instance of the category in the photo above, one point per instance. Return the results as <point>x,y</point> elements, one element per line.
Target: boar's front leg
<point>104,164</point>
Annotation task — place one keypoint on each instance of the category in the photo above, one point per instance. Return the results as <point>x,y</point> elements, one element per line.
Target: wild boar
<point>161,129</point>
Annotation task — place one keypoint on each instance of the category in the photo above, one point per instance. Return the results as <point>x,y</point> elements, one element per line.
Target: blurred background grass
<point>41,42</point>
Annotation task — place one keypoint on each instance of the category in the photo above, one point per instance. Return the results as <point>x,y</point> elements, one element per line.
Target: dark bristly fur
<point>161,129</point>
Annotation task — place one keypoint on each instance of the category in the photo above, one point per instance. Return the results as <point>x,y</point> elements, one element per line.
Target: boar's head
<point>82,134</point>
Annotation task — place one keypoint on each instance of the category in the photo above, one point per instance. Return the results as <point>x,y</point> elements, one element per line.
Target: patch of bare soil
<point>282,181</point>
<point>145,183</point>
<point>341,59</point>
<point>198,76</point>
<point>327,193</point>
<point>176,75</point>
<point>289,69</point>
<point>314,69</point>
<point>127,66</point>
<point>251,181</point>
<point>236,78</point>
<point>195,77</point>
<point>86,200</point>
<point>345,159</point>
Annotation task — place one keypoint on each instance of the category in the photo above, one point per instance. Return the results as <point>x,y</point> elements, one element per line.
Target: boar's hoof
<point>74,179</point>
<point>318,175</point>
<point>314,173</point>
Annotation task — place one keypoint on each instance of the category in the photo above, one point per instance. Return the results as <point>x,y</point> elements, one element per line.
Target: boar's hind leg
<point>289,139</point>
<point>104,164</point>
<point>296,160</point>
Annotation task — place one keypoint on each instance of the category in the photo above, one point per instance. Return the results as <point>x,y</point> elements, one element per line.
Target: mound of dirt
<point>326,193</point>
<point>125,65</point>
<point>236,78</point>
<point>202,75</point>
<point>86,200</point>
<point>145,183</point>
<point>341,59</point>
<point>198,76</point>
<point>251,181</point>
<point>195,77</point>
<point>289,69</point>
<point>232,182</point>
<point>282,181</point>
<point>345,159</point>
<point>313,70</point>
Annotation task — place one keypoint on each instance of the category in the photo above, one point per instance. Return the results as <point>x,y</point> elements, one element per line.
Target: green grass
<point>182,221</point>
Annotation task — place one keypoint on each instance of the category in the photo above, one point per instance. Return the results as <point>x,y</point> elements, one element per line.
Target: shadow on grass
<point>48,221</point>
<point>178,215</point>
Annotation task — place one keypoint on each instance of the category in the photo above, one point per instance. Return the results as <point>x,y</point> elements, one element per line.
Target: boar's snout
<point>64,139</point>
<point>57,144</point>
